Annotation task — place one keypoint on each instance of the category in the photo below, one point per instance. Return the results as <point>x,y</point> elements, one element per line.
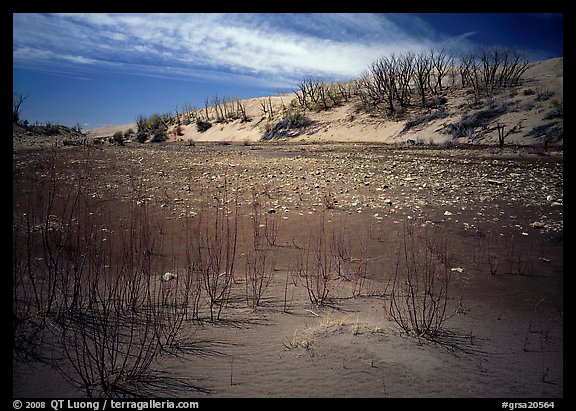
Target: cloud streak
<point>277,48</point>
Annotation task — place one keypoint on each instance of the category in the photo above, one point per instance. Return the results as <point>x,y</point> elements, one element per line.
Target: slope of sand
<point>108,131</point>
<point>526,110</point>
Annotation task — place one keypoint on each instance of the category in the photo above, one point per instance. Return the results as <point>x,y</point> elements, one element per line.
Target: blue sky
<point>98,69</point>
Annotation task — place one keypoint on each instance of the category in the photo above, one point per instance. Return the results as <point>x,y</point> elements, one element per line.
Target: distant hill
<point>529,113</point>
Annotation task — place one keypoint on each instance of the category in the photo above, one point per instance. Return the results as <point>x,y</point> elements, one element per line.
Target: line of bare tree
<point>393,83</point>
<point>390,85</point>
<point>316,94</point>
<point>227,109</point>
<point>487,70</point>
<point>218,108</point>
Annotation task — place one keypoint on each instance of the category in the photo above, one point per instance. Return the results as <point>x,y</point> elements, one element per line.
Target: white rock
<point>169,276</point>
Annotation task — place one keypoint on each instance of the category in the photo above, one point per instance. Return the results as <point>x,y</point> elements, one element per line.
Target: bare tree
<point>501,135</point>
<point>265,110</point>
<point>344,90</point>
<point>177,116</point>
<point>452,71</point>
<point>488,70</point>
<point>241,110</point>
<point>216,105</point>
<point>422,68</point>
<point>361,87</point>
<point>470,74</point>
<point>189,113</point>
<point>379,85</point>
<point>307,93</point>
<point>404,72</point>
<point>491,61</point>
<point>206,105</point>
<point>314,94</point>
<point>225,107</point>
<point>17,101</point>
<point>515,64</point>
<point>441,63</point>
<point>385,76</point>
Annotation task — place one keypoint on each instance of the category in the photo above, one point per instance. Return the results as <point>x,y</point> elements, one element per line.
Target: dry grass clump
<point>298,341</point>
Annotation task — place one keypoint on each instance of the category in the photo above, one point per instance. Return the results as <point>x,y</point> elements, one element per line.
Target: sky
<point>97,69</point>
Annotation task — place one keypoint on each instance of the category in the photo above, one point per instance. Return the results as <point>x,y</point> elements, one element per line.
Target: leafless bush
<point>119,315</point>
<point>313,94</point>
<point>519,257</point>
<point>488,70</point>
<point>349,254</point>
<point>258,228</point>
<point>44,252</point>
<point>358,270</point>
<point>272,228</point>
<point>316,264</point>
<point>508,255</point>
<point>91,289</point>
<point>259,262</point>
<point>259,269</point>
<point>420,285</point>
<point>212,246</point>
<point>112,330</point>
<point>287,305</point>
<point>265,223</point>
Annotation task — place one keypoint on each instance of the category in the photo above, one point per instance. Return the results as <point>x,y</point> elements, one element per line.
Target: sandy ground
<point>504,338</point>
<point>528,108</point>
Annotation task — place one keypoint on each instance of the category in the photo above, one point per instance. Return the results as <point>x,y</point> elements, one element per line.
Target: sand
<point>504,339</point>
<point>528,106</point>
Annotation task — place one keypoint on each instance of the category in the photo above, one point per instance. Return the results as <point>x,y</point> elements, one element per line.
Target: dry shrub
<point>212,239</point>
<point>86,288</point>
<point>420,285</point>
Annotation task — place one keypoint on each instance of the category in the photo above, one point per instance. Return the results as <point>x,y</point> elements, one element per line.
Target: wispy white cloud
<point>277,48</point>
<point>39,55</point>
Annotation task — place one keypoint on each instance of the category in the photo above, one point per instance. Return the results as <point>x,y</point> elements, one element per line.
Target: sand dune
<point>528,117</point>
